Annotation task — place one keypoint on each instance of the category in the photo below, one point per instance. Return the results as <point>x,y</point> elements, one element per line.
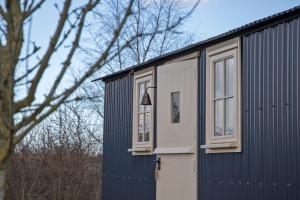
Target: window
<point>175,107</point>
<point>223,123</point>
<point>142,136</point>
<point>224,97</point>
<point>144,113</point>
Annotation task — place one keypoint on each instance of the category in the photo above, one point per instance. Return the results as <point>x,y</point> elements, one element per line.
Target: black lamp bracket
<point>150,87</point>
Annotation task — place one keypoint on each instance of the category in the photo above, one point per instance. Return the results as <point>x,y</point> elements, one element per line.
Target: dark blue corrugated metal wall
<point>269,165</point>
<point>125,177</point>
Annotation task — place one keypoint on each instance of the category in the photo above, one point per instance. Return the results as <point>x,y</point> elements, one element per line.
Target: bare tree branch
<point>2,13</point>
<point>66,64</point>
<point>45,60</point>
<point>70,90</point>
<point>21,110</point>
<point>32,8</point>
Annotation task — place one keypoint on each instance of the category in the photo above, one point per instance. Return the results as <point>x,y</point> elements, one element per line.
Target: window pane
<point>230,118</point>
<point>230,77</point>
<point>147,127</point>
<point>147,84</point>
<point>141,93</point>
<point>140,127</point>
<point>175,107</point>
<point>219,79</point>
<point>219,118</point>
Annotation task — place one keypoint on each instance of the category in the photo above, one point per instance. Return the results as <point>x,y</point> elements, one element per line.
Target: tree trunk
<point>6,148</point>
<point>2,183</point>
<point>6,132</point>
<point>6,140</point>
<point>5,151</point>
<point>9,57</point>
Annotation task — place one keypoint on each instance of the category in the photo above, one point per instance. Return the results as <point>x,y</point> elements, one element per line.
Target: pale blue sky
<point>213,17</point>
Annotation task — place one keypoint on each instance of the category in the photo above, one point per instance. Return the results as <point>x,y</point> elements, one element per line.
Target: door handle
<point>158,163</point>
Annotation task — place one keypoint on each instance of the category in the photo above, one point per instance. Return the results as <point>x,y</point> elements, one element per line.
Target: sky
<point>211,17</point>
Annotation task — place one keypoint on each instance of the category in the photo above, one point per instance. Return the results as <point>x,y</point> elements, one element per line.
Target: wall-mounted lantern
<point>146,100</point>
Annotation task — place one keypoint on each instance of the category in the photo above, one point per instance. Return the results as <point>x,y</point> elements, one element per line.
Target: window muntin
<point>224,108</point>
<point>144,114</point>
<point>175,107</point>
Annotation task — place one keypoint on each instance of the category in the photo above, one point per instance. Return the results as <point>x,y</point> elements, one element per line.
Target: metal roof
<point>243,30</point>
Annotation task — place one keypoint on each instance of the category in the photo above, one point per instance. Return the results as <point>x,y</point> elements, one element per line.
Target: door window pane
<point>147,127</point>
<point>219,79</point>
<point>175,107</point>
<point>219,118</point>
<point>140,127</point>
<point>230,77</point>
<point>229,120</point>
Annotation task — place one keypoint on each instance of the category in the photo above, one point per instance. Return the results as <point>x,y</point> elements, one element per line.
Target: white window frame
<point>142,148</point>
<point>229,143</point>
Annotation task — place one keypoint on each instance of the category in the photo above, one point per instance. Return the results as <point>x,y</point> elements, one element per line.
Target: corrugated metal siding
<point>269,165</point>
<point>125,177</point>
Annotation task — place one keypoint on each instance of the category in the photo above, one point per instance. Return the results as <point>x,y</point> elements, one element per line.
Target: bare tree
<point>160,22</point>
<point>21,110</point>
<point>59,161</point>
<point>19,116</point>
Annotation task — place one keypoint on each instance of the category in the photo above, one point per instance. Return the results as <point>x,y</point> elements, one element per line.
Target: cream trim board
<point>174,150</point>
<point>217,146</point>
<point>144,72</point>
<point>224,46</point>
<point>214,144</point>
<point>142,148</point>
<point>184,58</point>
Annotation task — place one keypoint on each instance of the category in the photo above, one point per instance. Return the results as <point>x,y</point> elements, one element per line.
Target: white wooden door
<point>177,130</point>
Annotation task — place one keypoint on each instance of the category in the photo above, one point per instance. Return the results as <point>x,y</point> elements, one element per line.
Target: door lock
<point>157,162</point>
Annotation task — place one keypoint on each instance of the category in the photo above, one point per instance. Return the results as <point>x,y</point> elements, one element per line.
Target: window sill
<point>219,146</point>
<point>141,150</point>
